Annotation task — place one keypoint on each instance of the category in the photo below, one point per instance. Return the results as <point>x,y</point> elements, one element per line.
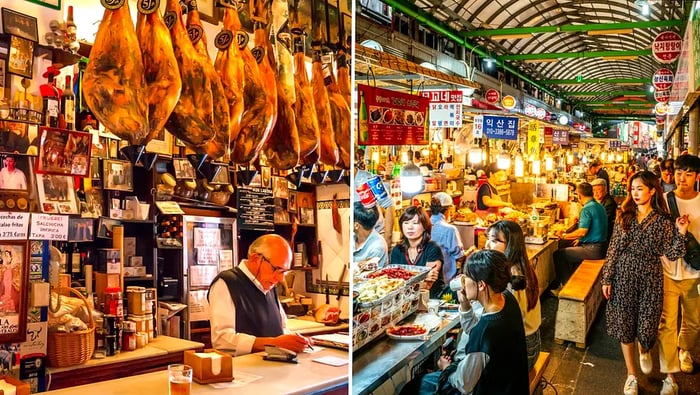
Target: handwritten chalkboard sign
<point>19,25</point>
<point>256,210</point>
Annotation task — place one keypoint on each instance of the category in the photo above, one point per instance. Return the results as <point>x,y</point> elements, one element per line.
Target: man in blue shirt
<point>445,234</point>
<point>368,243</point>
<point>586,242</point>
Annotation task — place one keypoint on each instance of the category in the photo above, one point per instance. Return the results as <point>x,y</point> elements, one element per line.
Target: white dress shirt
<point>222,312</point>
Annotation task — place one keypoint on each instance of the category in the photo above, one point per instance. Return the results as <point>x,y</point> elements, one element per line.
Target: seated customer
<point>245,313</point>
<point>445,234</point>
<point>586,242</point>
<point>495,360</point>
<point>602,196</point>
<point>368,243</point>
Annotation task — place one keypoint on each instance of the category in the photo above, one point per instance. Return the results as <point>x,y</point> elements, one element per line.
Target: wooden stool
<point>578,303</point>
<point>537,371</point>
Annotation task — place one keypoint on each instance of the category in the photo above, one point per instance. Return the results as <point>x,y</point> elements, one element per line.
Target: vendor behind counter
<point>487,199</point>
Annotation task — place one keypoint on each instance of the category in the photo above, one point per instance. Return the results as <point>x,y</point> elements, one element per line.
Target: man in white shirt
<point>245,313</point>
<point>12,177</point>
<point>681,283</point>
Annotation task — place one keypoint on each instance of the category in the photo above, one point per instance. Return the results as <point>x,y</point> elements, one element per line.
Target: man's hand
<point>444,362</point>
<point>294,342</point>
<point>434,272</point>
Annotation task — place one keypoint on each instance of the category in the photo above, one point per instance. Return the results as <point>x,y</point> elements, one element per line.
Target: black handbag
<point>692,247</point>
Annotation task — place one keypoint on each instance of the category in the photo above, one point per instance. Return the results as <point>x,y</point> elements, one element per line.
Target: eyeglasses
<point>274,268</point>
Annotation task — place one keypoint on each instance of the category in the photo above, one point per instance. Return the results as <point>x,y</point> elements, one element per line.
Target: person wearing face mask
<point>245,313</point>
<point>495,356</point>
<point>508,238</point>
<point>632,278</point>
<point>416,248</point>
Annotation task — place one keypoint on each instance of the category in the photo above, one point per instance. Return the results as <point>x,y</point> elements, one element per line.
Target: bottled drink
<point>71,28</point>
<point>50,96</point>
<point>363,127</point>
<point>75,260</point>
<point>68,105</point>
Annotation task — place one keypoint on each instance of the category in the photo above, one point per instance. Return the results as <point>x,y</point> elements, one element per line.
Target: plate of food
<point>407,332</point>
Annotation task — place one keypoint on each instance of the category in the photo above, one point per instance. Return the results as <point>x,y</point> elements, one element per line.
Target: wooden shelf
<point>290,224</point>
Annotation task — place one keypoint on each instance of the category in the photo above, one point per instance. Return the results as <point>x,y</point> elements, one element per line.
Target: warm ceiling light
<point>630,83</point>
<point>630,57</point>
<point>541,60</point>
<point>609,31</point>
<point>595,105</point>
<point>511,36</point>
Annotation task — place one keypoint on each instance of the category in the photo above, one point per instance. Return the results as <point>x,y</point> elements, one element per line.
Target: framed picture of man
<point>21,57</point>
<point>183,169</point>
<point>14,170</point>
<point>14,278</point>
<point>117,175</point>
<point>64,152</point>
<point>14,136</point>
<point>56,194</point>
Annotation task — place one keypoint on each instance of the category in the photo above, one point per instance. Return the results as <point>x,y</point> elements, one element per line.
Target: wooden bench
<point>537,371</point>
<point>578,303</point>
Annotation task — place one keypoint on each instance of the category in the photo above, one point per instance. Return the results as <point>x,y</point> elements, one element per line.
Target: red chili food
<point>407,330</point>
<point>392,272</point>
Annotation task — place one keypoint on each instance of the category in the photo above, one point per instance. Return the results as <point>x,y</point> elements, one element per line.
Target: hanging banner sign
<point>560,136</point>
<point>662,96</point>
<point>663,79</point>
<point>533,138</point>
<point>540,113</point>
<point>635,134</point>
<point>661,108</point>
<point>394,118</point>
<point>445,108</point>
<point>666,47</point>
<point>501,127</point>
<point>492,96</point>
<point>530,110</point>
<point>478,130</point>
<point>548,140</point>
<point>508,102</point>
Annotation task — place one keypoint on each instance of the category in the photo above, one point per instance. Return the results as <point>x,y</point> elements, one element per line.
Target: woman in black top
<point>416,248</point>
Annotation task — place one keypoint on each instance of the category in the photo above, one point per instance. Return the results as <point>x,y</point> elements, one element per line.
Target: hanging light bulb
<point>411,179</point>
<point>536,168</point>
<point>548,162</point>
<point>503,159</point>
<point>569,158</point>
<point>618,157</point>
<point>519,166</point>
<point>404,157</point>
<point>425,152</point>
<point>474,155</point>
<point>603,156</point>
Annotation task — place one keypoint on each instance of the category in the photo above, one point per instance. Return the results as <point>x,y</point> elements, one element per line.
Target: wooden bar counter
<point>306,377</point>
<point>160,352</point>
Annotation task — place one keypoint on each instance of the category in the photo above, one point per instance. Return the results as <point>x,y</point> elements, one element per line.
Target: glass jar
<point>166,188</point>
<point>221,195</point>
<point>185,188</point>
<point>128,340</point>
<point>4,109</point>
<point>204,190</point>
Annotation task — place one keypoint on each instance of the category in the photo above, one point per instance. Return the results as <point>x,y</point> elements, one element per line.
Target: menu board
<point>389,117</point>
<point>256,209</point>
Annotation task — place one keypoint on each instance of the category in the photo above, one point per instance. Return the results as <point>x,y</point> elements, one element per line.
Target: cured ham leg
<point>328,152</point>
<point>344,75</point>
<point>340,115</point>
<point>229,65</point>
<point>114,85</point>
<point>195,30</point>
<point>304,108</point>
<point>161,71</point>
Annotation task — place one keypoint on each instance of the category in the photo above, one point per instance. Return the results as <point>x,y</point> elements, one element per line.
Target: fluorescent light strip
<point>611,31</point>
<point>541,60</point>
<point>511,36</point>
<point>631,57</point>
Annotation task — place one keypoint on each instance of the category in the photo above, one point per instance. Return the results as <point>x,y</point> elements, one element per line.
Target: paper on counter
<point>239,380</point>
<point>333,361</point>
<point>8,388</point>
<point>215,361</point>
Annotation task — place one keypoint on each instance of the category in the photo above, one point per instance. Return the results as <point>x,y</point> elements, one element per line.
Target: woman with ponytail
<point>507,237</point>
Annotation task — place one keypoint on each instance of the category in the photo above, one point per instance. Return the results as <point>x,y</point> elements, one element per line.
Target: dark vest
<point>257,314</point>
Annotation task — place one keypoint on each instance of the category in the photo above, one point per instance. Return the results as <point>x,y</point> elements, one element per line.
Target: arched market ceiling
<point>613,66</point>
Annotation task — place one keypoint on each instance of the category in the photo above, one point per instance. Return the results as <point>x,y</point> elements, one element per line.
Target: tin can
<point>114,304</point>
<point>366,195</point>
<point>136,300</point>
<point>150,300</point>
<point>380,192</point>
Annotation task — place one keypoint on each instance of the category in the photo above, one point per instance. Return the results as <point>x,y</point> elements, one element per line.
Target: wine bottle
<point>71,28</point>
<point>363,126</point>
<point>50,99</point>
<point>75,260</point>
<point>68,105</point>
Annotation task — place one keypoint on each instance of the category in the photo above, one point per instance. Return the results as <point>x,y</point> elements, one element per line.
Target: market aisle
<point>599,369</point>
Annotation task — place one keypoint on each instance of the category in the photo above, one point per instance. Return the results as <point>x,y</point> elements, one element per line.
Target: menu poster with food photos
<point>394,118</point>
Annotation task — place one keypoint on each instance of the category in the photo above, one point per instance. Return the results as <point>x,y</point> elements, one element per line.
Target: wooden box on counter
<point>21,387</point>
<point>202,367</point>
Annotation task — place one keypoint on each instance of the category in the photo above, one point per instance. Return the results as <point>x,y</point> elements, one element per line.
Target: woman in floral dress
<point>633,274</point>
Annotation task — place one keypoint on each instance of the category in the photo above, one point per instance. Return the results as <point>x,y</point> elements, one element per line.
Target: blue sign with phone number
<point>501,127</point>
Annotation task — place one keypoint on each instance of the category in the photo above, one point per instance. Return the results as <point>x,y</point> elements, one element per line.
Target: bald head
<point>274,247</point>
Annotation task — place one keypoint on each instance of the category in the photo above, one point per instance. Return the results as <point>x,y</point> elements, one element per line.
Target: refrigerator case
<point>209,246</point>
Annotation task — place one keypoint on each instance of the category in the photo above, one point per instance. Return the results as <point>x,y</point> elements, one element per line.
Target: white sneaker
<point>645,361</point>
<point>686,361</point>
<point>669,387</point>
<point>631,385</point>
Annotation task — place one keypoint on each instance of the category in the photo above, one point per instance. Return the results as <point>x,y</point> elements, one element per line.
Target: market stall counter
<point>156,355</point>
<point>380,360</point>
<point>261,377</point>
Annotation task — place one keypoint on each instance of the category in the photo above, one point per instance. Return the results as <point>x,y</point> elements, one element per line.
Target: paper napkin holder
<point>203,368</point>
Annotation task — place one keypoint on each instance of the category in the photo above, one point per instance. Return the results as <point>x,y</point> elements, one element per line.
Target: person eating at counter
<point>601,195</point>
<point>487,199</point>
<point>245,312</point>
<point>368,243</point>
<point>416,248</point>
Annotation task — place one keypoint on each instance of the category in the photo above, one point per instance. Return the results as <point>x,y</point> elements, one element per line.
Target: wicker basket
<point>69,349</point>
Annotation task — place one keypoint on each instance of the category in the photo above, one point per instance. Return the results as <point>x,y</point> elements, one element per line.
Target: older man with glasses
<point>245,312</point>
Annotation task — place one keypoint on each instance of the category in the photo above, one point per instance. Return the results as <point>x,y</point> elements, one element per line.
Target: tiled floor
<point>599,369</point>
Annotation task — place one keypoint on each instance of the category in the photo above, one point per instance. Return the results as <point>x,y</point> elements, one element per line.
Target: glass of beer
<point>180,378</point>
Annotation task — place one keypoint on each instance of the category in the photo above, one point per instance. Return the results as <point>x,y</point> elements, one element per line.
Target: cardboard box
<point>103,281</point>
<point>202,367</point>
<point>129,248</point>
<point>135,260</point>
<point>108,261</point>
<point>21,387</point>
<point>135,271</point>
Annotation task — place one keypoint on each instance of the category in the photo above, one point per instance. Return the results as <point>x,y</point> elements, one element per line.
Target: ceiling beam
<point>619,102</point>
<point>573,28</point>
<point>613,117</point>
<point>572,55</point>
<point>430,21</point>
<point>603,93</point>
<point>597,81</point>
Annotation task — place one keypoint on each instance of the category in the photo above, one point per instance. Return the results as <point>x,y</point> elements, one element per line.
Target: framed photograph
<point>281,213</point>
<point>56,194</point>
<point>20,25</point>
<point>292,202</point>
<point>80,229</point>
<point>104,227</point>
<point>305,200</point>
<point>92,207</point>
<point>95,168</point>
<point>209,12</point>
<point>4,86</point>
<point>64,152</point>
<point>161,144</point>
<point>265,177</point>
<point>14,137</point>
<point>13,172</point>
<point>55,4</point>
<point>21,61</point>
<point>222,175</point>
<point>280,187</point>
<point>183,169</point>
<point>117,175</point>
<point>14,275</point>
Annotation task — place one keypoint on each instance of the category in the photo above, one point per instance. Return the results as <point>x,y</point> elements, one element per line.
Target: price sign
<point>14,226</point>
<point>663,79</point>
<point>49,227</point>
<point>666,47</point>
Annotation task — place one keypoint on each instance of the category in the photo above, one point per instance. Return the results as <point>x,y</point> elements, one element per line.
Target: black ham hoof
<point>133,153</point>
